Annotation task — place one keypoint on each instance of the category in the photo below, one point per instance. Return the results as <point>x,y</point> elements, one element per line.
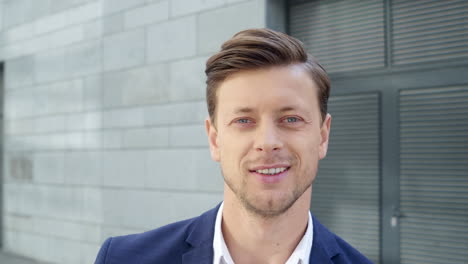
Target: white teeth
<point>271,171</point>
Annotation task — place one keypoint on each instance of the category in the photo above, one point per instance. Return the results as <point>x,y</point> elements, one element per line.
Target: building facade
<point>103,118</point>
<point>104,106</point>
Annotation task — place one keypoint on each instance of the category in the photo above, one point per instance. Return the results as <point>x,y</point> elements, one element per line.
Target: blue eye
<point>243,121</point>
<point>292,119</point>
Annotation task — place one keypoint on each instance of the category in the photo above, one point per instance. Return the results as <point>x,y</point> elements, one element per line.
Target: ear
<point>212,139</point>
<point>324,136</point>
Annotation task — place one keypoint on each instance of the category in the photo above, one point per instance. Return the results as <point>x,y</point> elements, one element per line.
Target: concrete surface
<point>8,258</point>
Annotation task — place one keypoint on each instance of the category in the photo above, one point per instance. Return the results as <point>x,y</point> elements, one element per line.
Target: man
<point>268,127</point>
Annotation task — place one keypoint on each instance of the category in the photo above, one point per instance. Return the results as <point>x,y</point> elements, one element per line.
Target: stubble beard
<point>266,209</point>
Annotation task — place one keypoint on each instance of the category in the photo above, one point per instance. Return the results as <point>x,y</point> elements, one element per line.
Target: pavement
<point>9,258</point>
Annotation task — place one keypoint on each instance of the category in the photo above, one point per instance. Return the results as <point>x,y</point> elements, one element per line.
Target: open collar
<point>201,233</point>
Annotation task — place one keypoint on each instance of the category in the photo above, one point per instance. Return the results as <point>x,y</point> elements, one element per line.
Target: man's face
<point>268,137</point>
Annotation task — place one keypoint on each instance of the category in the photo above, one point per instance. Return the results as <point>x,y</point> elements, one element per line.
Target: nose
<point>267,138</point>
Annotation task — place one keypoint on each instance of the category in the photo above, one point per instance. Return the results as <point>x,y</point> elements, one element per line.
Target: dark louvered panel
<point>434,175</point>
<point>429,30</point>
<point>342,35</point>
<point>346,192</point>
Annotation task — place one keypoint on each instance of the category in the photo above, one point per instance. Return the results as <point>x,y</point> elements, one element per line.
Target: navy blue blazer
<point>191,242</point>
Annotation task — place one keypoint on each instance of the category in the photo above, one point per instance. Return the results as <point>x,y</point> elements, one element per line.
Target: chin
<point>269,207</point>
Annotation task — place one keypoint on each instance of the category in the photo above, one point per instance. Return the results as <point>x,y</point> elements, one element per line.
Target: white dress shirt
<point>299,256</point>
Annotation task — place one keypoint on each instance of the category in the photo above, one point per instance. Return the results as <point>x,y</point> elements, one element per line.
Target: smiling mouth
<point>271,171</point>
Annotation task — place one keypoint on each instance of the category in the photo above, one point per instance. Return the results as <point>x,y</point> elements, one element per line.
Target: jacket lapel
<point>324,246</point>
<point>200,238</point>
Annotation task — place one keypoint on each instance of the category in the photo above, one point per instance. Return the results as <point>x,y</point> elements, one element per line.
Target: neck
<point>255,239</point>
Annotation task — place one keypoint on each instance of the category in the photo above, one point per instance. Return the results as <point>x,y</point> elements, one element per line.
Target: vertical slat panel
<point>346,193</point>
<point>434,175</point>
<point>343,35</point>
<point>429,30</point>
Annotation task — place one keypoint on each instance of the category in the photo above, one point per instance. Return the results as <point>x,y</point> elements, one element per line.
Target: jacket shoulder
<point>338,250</point>
<point>154,246</point>
<point>349,254</point>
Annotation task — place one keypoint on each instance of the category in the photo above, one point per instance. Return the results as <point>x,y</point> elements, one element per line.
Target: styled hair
<point>254,49</point>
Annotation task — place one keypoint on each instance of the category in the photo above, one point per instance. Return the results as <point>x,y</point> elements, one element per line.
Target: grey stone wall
<point>103,117</point>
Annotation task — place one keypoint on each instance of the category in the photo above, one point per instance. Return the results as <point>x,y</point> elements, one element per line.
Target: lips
<point>271,174</point>
<point>271,171</point>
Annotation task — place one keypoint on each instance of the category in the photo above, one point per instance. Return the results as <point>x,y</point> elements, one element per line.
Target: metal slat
<point>346,192</point>
<point>327,10</point>
<point>434,175</point>
<point>429,31</point>
<point>343,35</point>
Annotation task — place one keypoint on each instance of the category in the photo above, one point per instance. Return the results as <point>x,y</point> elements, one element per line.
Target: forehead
<point>271,88</point>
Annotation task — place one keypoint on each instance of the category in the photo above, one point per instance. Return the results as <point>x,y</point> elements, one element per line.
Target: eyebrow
<point>287,108</point>
<point>244,110</point>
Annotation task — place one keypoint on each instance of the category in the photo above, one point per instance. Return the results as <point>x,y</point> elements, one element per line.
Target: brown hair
<point>261,48</point>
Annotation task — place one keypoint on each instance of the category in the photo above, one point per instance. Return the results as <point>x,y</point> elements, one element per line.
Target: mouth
<point>271,171</point>
<point>271,174</point>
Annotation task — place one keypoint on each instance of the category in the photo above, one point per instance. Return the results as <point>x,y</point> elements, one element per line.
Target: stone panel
<point>60,201</point>
<point>92,92</point>
<point>19,167</point>
<point>89,252</point>
<point>180,113</point>
<point>182,7</point>
<point>188,136</point>
<point>83,121</point>
<point>120,209</point>
<point>123,118</point>
<point>53,40</point>
<point>18,33</point>
<point>171,40</point>
<point>63,97</point>
<point>50,23</point>
<point>148,14</point>
<point>112,6</point>
<point>72,16</point>
<point>19,72</point>
<point>138,86</point>
<point>92,209</point>
<point>19,11</point>
<point>92,140</point>
<point>123,168</point>
<point>19,222</point>
<point>111,139</point>
<point>93,29</point>
<point>49,167</point>
<point>61,250</point>
<point>182,169</point>
<point>55,123</point>
<point>72,230</point>
<point>215,27</point>
<point>145,137</point>
<point>50,65</point>
<point>113,23</point>
<point>19,103</point>
<point>58,5</point>
<point>124,50</point>
<point>82,167</point>
<point>19,126</point>
<point>73,141</point>
<point>83,59</point>
<point>188,79</point>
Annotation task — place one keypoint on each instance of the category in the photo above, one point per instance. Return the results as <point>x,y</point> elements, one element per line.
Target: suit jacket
<point>191,242</point>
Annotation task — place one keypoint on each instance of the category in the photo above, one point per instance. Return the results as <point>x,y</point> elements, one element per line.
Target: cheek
<point>231,146</point>
<point>308,148</point>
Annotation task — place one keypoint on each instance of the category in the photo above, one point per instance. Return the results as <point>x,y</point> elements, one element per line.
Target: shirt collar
<point>221,252</point>
<point>300,255</point>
